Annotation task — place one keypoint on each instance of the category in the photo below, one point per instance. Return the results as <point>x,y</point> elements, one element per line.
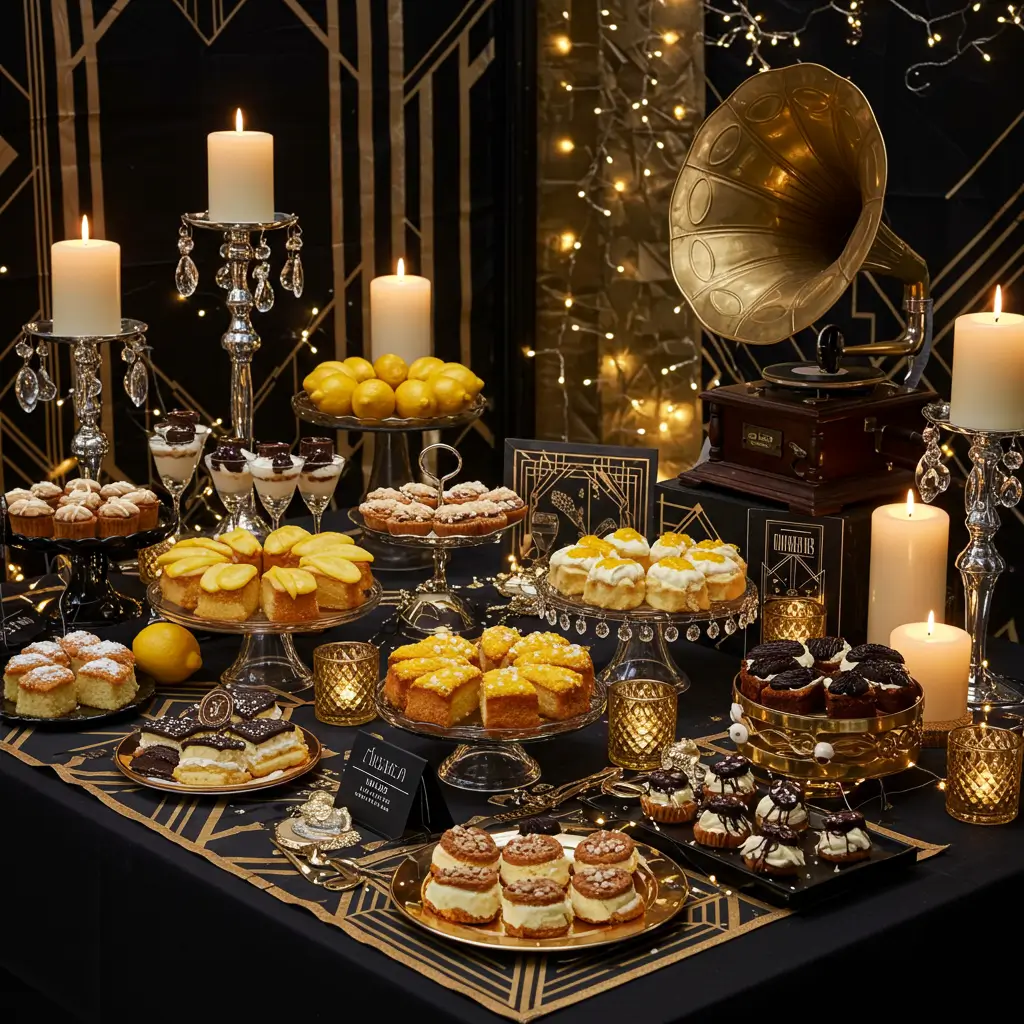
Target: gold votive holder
<point>983,767</point>
<point>641,722</point>
<point>344,680</point>
<point>792,618</point>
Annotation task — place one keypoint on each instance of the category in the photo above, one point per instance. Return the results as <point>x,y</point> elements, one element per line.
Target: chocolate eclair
<point>828,653</point>
<point>782,806</point>
<point>868,652</point>
<point>844,838</point>
<point>723,822</point>
<point>849,695</point>
<point>797,690</point>
<point>893,686</point>
<point>776,851</point>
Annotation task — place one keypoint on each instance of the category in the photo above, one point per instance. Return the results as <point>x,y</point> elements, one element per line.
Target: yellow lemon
<point>361,369</point>
<point>391,369</point>
<point>168,652</point>
<point>449,394</point>
<point>317,376</point>
<point>423,367</point>
<point>334,396</point>
<point>373,400</point>
<point>414,398</point>
<point>469,380</point>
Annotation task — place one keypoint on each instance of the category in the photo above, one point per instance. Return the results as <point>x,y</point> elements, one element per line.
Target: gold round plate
<point>659,880</point>
<point>125,749</point>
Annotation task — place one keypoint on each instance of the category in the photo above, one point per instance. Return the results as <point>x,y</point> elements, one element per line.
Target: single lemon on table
<point>334,396</point>
<point>391,369</point>
<point>469,380</point>
<point>317,376</point>
<point>167,651</point>
<point>360,368</point>
<point>423,367</point>
<point>449,394</point>
<point>414,399</point>
<point>373,400</point>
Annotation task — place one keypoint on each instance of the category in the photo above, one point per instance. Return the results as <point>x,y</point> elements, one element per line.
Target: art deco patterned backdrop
<point>385,118</point>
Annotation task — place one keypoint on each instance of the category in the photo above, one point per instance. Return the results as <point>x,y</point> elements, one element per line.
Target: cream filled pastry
<point>167,732</point>
<point>782,806</point>
<point>731,552</point>
<point>628,543</point>
<point>731,776</point>
<point>568,568</point>
<point>218,760</point>
<point>465,894</point>
<point>723,823</point>
<point>670,545</point>
<point>676,585</point>
<point>535,908</point>
<point>776,851</point>
<point>461,846</point>
<point>605,896</point>
<point>669,797</point>
<point>271,745</point>
<point>844,838</point>
<point>605,849</point>
<point>615,583</point>
<point>534,856</point>
<point>726,579</point>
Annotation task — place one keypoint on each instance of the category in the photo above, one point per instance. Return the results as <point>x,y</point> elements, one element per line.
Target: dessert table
<point>108,917</point>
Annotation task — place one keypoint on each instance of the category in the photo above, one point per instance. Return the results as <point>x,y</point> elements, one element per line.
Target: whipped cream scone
<point>605,896</point>
<point>723,823</point>
<point>725,579</point>
<point>605,849</point>
<point>616,583</point>
<point>569,567</point>
<point>460,846</point>
<point>631,544</point>
<point>466,895</point>
<point>671,545</point>
<point>669,797</point>
<point>676,585</point>
<point>534,856</point>
<point>535,908</point>
<point>782,806</point>
<point>844,838</point>
<point>720,547</point>
<point>776,851</point>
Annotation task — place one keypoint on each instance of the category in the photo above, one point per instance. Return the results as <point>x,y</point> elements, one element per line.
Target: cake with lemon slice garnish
<point>206,544</point>
<point>179,582</point>
<point>360,557</point>
<point>444,697</point>
<point>616,583</point>
<point>183,550</point>
<point>278,548</point>
<point>725,580</point>
<point>569,567</point>
<point>670,545</point>
<point>229,592</point>
<point>288,595</point>
<point>676,585</point>
<point>245,547</point>
<point>628,543</point>
<point>322,543</point>
<point>339,583</point>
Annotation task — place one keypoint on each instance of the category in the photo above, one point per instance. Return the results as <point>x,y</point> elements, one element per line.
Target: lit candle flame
<point>238,119</point>
<point>401,267</point>
<point>910,504</point>
<point>85,229</point>
<point>998,304</point>
<point>931,623</point>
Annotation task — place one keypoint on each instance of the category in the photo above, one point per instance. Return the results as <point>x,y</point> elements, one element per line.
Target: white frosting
<point>709,567</point>
<point>676,579</point>
<point>150,739</point>
<point>262,468</point>
<point>205,762</point>
<point>621,572</point>
<point>806,660</point>
<point>602,910</point>
<point>524,915</point>
<point>741,784</point>
<point>561,559</point>
<point>660,551</point>
<point>838,844</point>
<point>229,481</point>
<point>711,822</point>
<point>727,551</point>
<point>276,745</point>
<point>840,655</point>
<point>628,865</point>
<point>780,856</point>
<point>629,548</point>
<point>556,870</point>
<point>767,811</point>
<point>441,858</point>
<point>674,799</point>
<point>483,905</point>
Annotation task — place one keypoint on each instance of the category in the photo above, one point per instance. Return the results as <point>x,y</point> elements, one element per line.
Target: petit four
<point>536,856</point>
<point>508,700</point>
<point>467,895</point>
<point>782,806</point>
<point>47,691</point>
<point>460,846</point>
<point>167,732</point>
<point>536,908</point>
<point>844,838</point>
<point>605,849</point>
<point>776,851</point>
<point>105,683</point>
<point>605,896</point>
<point>669,797</point>
<point>212,760</point>
<point>253,702</point>
<point>731,776</point>
<point>723,822</point>
<point>615,583</point>
<point>156,762</point>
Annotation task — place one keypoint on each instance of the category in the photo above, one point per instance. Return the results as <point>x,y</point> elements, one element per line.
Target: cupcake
<point>472,490</point>
<point>797,691</point>
<point>726,579</point>
<point>844,838</point>
<point>414,519</point>
<point>117,489</point>
<point>81,483</point>
<point>17,494</point>
<point>630,544</point>
<point>782,806</point>
<point>488,516</point>
<point>73,522</point>
<point>674,585</point>
<point>31,517</point>
<point>376,512</point>
<point>868,652</point>
<point>828,653</point>
<point>731,776</point>
<point>894,689</point>
<point>568,568</point>
<point>455,520</point>
<point>388,494</point>
<point>669,797</point>
<point>90,499</point>
<point>47,491</point>
<point>148,504</point>
<point>849,695</point>
<point>423,493</point>
<point>509,502</point>
<point>117,518</point>
<point>776,851</point>
<point>723,823</point>
<point>670,545</point>
<point>535,856</point>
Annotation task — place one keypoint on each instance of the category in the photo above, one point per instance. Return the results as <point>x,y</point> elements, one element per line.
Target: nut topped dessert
<point>535,908</point>
<point>605,849</point>
<point>605,896</point>
<point>534,856</point>
<point>465,846</point>
<point>463,893</point>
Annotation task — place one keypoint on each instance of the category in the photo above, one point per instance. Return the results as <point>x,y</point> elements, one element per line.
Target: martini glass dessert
<point>176,446</point>
<point>275,472</point>
<point>229,467</point>
<point>319,475</point>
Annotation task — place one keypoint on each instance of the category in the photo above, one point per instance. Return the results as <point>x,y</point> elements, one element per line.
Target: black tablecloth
<point>109,919</point>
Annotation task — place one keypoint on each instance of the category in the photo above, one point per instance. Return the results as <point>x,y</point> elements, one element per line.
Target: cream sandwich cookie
<point>776,851</point>
<point>629,543</point>
<point>605,896</point>
<point>605,849</point>
<point>465,847</point>
<point>465,894</point>
<point>535,908</point>
<point>535,856</point>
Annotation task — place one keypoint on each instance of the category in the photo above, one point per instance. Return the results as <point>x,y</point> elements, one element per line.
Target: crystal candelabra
<point>89,445</point>
<point>991,483</point>
<point>241,339</point>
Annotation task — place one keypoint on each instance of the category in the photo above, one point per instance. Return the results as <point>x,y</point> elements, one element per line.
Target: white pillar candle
<point>400,315</point>
<point>988,370</point>
<point>240,169</point>
<point>86,286</point>
<point>939,658</point>
<point>908,566</point>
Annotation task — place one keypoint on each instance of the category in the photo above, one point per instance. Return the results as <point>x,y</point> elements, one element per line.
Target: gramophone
<point>778,207</point>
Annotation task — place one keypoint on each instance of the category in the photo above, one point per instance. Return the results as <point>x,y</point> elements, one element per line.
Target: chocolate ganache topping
<point>887,672</point>
<point>251,700</point>
<point>779,835</point>
<point>784,794</point>
<point>218,741</point>
<point>728,808</point>
<point>539,825</point>
<point>775,648</point>
<point>228,455</point>
<point>156,762</point>
<point>849,684</point>
<point>260,729</point>
<point>669,780</point>
<point>731,767</point>
<point>825,648</point>
<point>317,451</point>
<point>793,679</point>
<point>181,426</point>
<point>770,665</point>
<point>842,822</point>
<point>278,452</point>
<point>874,652</point>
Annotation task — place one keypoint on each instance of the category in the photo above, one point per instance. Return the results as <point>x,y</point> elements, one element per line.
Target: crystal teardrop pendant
<point>47,389</point>
<point>601,629</point>
<point>223,277</point>
<point>136,382</point>
<point>186,276</point>
<point>693,632</point>
<point>26,388</point>
<point>671,634</point>
<point>713,630</point>
<point>1009,492</point>
<point>563,620</point>
<point>298,278</point>
<point>288,275</point>
<point>263,297</point>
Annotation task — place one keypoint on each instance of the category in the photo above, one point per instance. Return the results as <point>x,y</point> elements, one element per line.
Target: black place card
<point>389,790</point>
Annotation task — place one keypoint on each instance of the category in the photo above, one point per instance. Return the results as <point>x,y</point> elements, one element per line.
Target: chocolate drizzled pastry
<point>793,679</point>
<point>317,451</point>
<point>771,665</point>
<point>842,822</point>
<point>775,648</point>
<point>731,767</point>
<point>873,652</point>
<point>260,729</point>
<point>669,780</point>
<point>228,455</point>
<point>728,808</point>
<point>180,435</point>
<point>156,762</point>
<point>778,835</point>
<point>218,741</point>
<point>784,794</point>
<point>539,825</point>
<point>825,648</point>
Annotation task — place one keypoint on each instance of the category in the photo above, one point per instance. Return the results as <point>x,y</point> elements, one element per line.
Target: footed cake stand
<point>644,633</point>
<point>267,656</point>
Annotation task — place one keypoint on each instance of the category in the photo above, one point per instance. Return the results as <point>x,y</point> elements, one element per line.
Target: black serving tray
<point>84,715</point>
<point>820,880</point>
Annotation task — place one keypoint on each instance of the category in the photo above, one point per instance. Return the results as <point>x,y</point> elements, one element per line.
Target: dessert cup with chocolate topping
<point>319,476</point>
<point>228,464</point>
<point>275,472</point>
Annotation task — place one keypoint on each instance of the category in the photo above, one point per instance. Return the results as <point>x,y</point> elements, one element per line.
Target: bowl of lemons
<point>389,394</point>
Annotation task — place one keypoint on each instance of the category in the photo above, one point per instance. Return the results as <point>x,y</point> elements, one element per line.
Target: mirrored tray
<point>84,714</point>
<point>306,410</point>
<point>659,880</point>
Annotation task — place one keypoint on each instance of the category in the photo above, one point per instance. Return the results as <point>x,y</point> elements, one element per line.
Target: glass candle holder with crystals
<point>641,722</point>
<point>344,678</point>
<point>983,769</point>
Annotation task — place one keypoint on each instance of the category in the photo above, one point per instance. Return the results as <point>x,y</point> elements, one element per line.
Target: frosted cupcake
<point>31,517</point>
<point>47,491</point>
<point>73,522</point>
<point>569,567</point>
<point>676,585</point>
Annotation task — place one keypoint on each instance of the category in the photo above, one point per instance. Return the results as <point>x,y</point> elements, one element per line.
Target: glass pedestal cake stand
<point>391,463</point>
<point>491,760</point>
<point>267,656</point>
<point>644,633</point>
<point>435,604</point>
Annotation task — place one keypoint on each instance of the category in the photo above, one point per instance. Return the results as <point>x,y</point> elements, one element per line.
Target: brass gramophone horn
<point>779,205</point>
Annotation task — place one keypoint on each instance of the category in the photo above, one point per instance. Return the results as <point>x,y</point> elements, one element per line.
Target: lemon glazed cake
<point>229,592</point>
<point>444,697</point>
<point>402,674</point>
<point>179,582</point>
<point>508,700</point>
<point>105,683</point>
<point>288,595</point>
<point>339,583</point>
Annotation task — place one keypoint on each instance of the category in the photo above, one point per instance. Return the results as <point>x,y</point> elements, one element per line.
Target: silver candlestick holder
<point>991,483</point>
<point>241,339</point>
<point>89,445</point>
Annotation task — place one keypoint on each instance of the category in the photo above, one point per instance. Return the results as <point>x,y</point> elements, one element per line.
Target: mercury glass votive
<point>641,722</point>
<point>344,680</point>
<point>792,618</point>
<point>983,768</point>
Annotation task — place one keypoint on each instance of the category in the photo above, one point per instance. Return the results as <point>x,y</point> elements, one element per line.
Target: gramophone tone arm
<point>915,304</point>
